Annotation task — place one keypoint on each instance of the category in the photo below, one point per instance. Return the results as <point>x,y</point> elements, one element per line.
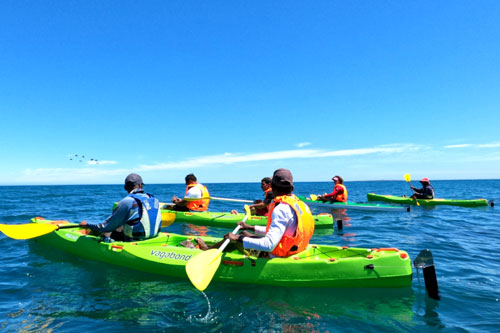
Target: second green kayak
<point>228,220</point>
<point>428,202</point>
<point>353,205</point>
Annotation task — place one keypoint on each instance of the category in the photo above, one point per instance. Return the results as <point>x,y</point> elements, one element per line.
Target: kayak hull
<point>317,266</point>
<point>424,202</point>
<point>230,221</point>
<point>353,205</point>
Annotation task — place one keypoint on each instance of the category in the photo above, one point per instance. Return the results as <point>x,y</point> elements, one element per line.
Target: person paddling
<point>259,207</point>
<point>194,190</point>
<point>290,224</point>
<point>136,217</point>
<point>426,192</point>
<point>339,193</point>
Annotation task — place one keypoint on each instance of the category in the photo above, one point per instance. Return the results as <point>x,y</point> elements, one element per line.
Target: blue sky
<point>232,90</point>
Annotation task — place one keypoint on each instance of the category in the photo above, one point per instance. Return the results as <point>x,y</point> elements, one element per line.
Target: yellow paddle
<point>167,219</point>
<point>408,180</point>
<point>201,268</point>
<point>31,230</point>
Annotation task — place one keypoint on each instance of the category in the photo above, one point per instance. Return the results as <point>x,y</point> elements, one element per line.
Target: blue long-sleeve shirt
<point>126,210</point>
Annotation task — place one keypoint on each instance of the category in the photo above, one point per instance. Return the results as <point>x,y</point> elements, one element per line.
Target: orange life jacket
<point>200,205</point>
<point>342,197</point>
<point>267,191</point>
<point>290,245</point>
<point>263,211</point>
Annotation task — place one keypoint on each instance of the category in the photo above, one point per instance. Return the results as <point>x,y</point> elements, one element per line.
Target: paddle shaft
<point>409,184</point>
<point>223,246</point>
<point>67,226</point>
<point>408,181</point>
<point>216,198</point>
<point>202,267</point>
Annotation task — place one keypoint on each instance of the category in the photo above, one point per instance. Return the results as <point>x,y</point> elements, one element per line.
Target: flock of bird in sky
<point>81,158</point>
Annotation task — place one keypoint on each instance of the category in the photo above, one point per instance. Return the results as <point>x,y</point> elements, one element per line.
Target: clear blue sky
<point>232,90</point>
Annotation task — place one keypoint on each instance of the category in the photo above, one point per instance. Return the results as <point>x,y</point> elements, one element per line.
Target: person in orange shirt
<point>194,190</point>
<point>339,193</point>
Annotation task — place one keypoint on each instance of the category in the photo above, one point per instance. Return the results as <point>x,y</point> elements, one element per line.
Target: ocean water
<point>44,290</point>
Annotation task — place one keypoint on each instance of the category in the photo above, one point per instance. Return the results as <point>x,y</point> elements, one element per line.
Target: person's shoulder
<point>282,208</point>
<point>128,198</point>
<point>126,201</point>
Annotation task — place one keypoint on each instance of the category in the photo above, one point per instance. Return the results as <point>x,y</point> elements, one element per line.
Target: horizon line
<point>256,182</point>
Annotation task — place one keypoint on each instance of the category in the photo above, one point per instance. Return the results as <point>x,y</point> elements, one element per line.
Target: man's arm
<point>417,190</point>
<point>273,236</point>
<point>115,220</point>
<point>336,190</point>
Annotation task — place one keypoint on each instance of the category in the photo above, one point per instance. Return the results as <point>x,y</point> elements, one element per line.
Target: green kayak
<point>429,202</point>
<point>353,205</point>
<point>317,266</point>
<point>228,220</point>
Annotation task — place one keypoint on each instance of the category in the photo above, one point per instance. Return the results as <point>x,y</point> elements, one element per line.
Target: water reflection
<point>194,230</point>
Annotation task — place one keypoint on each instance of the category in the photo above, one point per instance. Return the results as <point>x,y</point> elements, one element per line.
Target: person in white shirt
<point>290,223</point>
<point>193,191</point>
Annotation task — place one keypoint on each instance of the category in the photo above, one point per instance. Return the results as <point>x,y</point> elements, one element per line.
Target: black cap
<point>131,181</point>
<point>282,178</point>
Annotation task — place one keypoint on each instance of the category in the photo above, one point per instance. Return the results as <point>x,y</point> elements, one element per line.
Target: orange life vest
<point>263,211</point>
<point>342,197</point>
<point>290,245</point>
<point>200,205</point>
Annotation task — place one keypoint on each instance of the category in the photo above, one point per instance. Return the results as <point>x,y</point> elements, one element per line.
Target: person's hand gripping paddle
<point>202,267</point>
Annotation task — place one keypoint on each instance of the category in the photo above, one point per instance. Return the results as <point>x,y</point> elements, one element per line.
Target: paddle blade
<point>408,177</point>
<point>201,268</point>
<point>27,231</point>
<point>167,219</point>
<point>247,213</point>
<point>313,197</point>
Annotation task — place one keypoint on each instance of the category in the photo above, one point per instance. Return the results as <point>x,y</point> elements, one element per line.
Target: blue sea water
<point>44,290</point>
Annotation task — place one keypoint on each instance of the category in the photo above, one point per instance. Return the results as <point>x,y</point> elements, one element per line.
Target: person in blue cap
<point>136,217</point>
